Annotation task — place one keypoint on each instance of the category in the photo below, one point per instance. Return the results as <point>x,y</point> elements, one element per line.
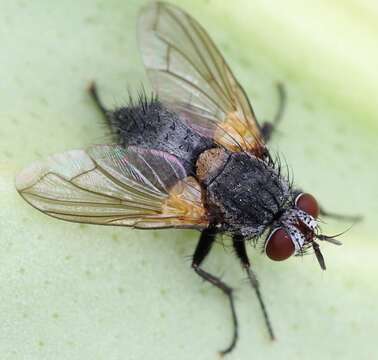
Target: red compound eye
<point>308,204</point>
<point>279,245</point>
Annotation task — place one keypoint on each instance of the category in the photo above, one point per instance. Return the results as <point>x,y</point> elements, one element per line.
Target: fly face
<point>297,230</point>
<point>194,157</point>
<point>294,230</point>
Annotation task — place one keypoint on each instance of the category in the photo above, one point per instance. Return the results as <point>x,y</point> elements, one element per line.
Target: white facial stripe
<point>307,219</point>
<point>289,218</point>
<point>296,236</point>
<point>292,216</point>
<point>290,223</point>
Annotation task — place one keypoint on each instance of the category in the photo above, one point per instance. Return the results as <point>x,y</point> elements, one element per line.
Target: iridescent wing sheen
<point>109,185</point>
<point>192,78</point>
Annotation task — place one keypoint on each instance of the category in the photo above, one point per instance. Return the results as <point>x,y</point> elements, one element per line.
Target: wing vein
<point>217,89</point>
<point>192,85</point>
<point>212,46</point>
<point>195,46</point>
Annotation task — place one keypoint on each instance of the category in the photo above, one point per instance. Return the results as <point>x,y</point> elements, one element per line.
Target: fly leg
<point>352,218</point>
<point>332,215</point>
<point>239,246</point>
<point>268,128</point>
<point>94,95</point>
<point>203,248</point>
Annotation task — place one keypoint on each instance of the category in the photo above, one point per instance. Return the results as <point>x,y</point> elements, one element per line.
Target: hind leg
<point>268,128</point>
<point>94,95</point>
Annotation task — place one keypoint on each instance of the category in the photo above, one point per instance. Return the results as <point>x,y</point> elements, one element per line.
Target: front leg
<point>203,248</point>
<point>319,210</point>
<point>332,215</point>
<point>239,246</point>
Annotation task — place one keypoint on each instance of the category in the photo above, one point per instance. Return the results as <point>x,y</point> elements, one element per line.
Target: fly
<point>192,157</point>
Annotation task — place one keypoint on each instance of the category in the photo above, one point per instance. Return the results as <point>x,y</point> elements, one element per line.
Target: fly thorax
<point>246,195</point>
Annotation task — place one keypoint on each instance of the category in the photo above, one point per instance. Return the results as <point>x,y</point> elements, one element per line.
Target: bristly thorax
<point>246,195</point>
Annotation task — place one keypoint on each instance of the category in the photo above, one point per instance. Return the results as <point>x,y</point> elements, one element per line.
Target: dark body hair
<point>149,124</point>
<point>243,194</point>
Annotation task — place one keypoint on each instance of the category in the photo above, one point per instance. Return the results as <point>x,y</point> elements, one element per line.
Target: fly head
<point>297,230</point>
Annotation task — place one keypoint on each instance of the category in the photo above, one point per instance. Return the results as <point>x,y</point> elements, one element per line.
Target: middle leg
<point>239,246</point>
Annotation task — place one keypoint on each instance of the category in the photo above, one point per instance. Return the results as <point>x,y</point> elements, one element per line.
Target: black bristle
<point>146,122</point>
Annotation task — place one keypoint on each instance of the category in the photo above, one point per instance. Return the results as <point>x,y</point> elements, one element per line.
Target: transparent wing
<point>109,185</point>
<point>192,78</point>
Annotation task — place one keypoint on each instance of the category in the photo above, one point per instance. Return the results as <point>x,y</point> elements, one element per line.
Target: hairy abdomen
<point>149,124</point>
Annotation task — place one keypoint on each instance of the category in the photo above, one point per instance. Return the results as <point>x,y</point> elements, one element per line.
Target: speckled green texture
<point>83,292</point>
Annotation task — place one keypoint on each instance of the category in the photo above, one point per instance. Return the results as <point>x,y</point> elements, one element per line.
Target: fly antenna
<point>332,238</point>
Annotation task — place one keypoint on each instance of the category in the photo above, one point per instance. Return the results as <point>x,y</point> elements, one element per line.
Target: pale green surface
<point>86,292</point>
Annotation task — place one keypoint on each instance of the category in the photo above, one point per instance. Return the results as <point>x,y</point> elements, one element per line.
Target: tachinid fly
<point>193,157</point>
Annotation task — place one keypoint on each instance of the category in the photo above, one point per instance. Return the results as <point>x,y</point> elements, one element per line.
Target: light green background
<point>71,291</point>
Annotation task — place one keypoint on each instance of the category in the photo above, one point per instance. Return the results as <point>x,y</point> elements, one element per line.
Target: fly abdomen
<point>149,124</point>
